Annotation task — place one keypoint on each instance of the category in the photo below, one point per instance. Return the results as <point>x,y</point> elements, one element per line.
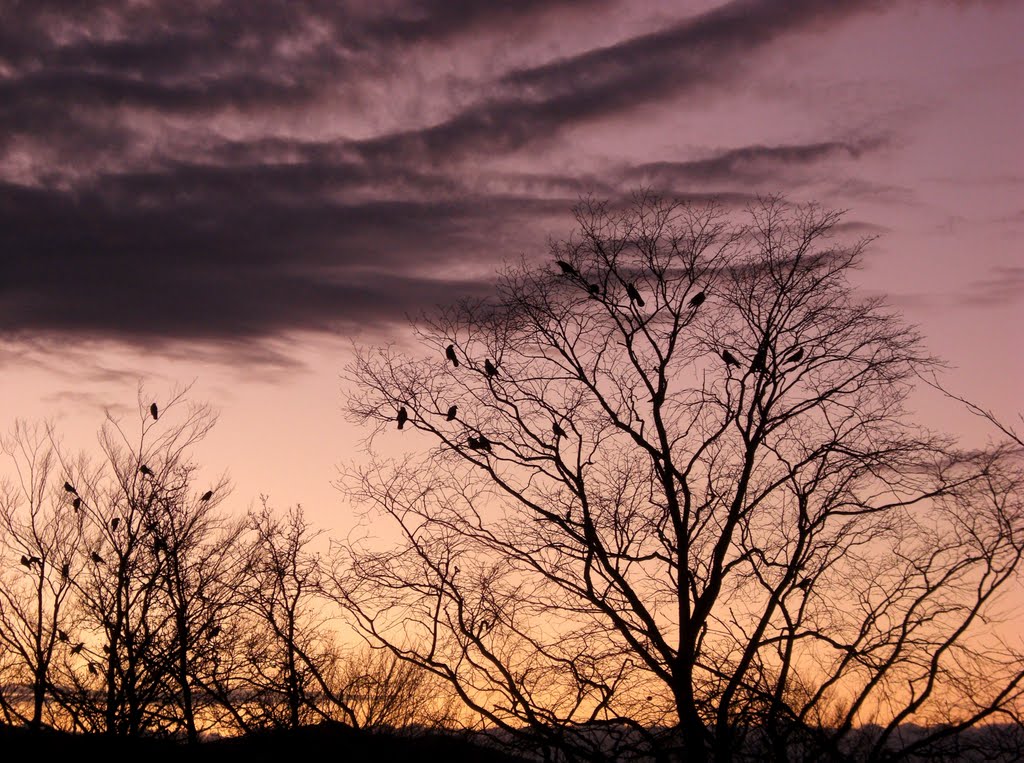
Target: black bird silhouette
<point>760,358</point>
<point>206,496</point>
<point>65,570</point>
<point>96,558</point>
<point>559,432</point>
<point>70,488</point>
<point>77,648</point>
<point>796,356</point>
<point>594,289</point>
<point>490,368</point>
<point>452,412</point>
<point>154,411</point>
<point>698,299</point>
<point>474,444</point>
<point>26,561</point>
<point>729,358</point>
<point>403,416</point>
<point>567,269</point>
<point>484,443</point>
<point>93,670</point>
<point>450,354</point>
<point>76,504</point>
<point>634,295</point>
<point>146,471</point>
<point>114,523</point>
<point>62,636</point>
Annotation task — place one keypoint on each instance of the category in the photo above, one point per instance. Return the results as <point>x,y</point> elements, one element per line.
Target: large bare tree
<point>665,496</point>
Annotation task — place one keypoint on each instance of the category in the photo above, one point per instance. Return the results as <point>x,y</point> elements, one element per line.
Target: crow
<point>451,413</point>
<point>154,411</point>
<point>146,471</point>
<point>450,354</point>
<point>65,570</point>
<point>567,269</point>
<point>474,444</point>
<point>96,558</point>
<point>70,488</point>
<point>729,358</point>
<point>77,648</point>
<point>403,416</point>
<point>559,432</point>
<point>76,504</point>
<point>698,299</point>
<point>634,295</point>
<point>93,670</point>
<point>594,289</point>
<point>62,636</point>
<point>796,356</point>
<point>114,523</point>
<point>760,358</point>
<point>206,496</point>
<point>214,631</point>
<point>484,443</point>
<point>490,368</point>
<point>26,561</point>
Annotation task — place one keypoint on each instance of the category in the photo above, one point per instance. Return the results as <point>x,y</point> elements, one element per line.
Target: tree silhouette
<point>720,561</point>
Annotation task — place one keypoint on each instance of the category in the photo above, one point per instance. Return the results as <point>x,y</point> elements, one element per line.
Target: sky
<point>235,194</point>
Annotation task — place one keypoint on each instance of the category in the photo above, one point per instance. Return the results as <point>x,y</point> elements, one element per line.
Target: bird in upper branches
<point>558,431</point>
<point>403,416</point>
<point>730,359</point>
<point>96,558</point>
<point>698,299</point>
<point>206,496</point>
<point>634,295</point>
<point>452,412</point>
<point>154,411</point>
<point>449,353</point>
<point>146,471</point>
<point>70,488</point>
<point>567,269</point>
<point>760,359</point>
<point>796,356</point>
<point>490,368</point>
<point>114,523</point>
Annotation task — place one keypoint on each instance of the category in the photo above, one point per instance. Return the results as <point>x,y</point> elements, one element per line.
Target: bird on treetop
<point>729,358</point>
<point>96,558</point>
<point>490,368</point>
<point>698,299</point>
<point>759,361</point>
<point>154,411</point>
<point>796,356</point>
<point>114,523</point>
<point>634,295</point>
<point>76,504</point>
<point>559,432</point>
<point>452,412</point>
<point>403,416</point>
<point>484,443</point>
<point>450,354</point>
<point>70,488</point>
<point>146,471</point>
<point>206,496</point>
<point>77,648</point>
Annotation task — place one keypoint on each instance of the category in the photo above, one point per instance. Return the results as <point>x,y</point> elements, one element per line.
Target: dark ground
<point>328,743</point>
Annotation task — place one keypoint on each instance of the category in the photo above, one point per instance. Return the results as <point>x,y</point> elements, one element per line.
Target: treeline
<point>132,604</point>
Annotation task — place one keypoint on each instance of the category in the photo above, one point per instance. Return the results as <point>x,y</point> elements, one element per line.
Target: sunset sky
<point>236,192</point>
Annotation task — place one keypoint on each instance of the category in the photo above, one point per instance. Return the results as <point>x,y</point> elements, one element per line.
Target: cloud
<point>1005,286</point>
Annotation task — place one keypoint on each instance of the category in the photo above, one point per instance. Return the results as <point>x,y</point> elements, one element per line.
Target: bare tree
<point>681,507</point>
<point>39,533</point>
<point>154,570</point>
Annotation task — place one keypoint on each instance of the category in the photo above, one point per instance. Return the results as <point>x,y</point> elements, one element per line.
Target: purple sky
<point>232,192</point>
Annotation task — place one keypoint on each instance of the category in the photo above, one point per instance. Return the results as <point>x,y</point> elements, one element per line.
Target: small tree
<point>672,488</point>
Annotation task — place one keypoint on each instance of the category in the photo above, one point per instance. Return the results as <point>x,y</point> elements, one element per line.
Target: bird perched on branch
<point>760,358</point>
<point>403,416</point>
<point>634,295</point>
<point>567,269</point>
<point>490,368</point>
<point>484,443</point>
<point>96,558</point>
<point>452,412</point>
<point>146,471</point>
<point>206,496</point>
<point>698,299</point>
<point>62,636</point>
<point>76,504</point>
<point>65,570</point>
<point>154,411</point>
<point>77,648</point>
<point>70,488</point>
<point>450,354</point>
<point>559,432</point>
<point>114,523</point>
<point>730,359</point>
<point>796,356</point>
